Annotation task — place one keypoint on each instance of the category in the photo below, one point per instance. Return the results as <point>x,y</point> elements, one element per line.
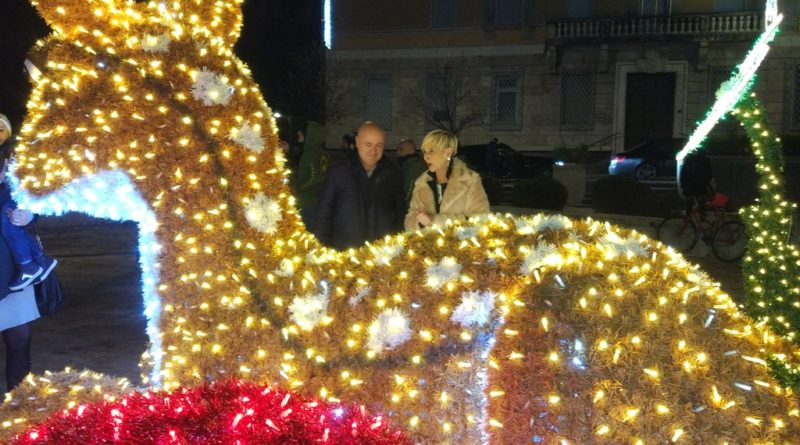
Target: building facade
<point>538,74</point>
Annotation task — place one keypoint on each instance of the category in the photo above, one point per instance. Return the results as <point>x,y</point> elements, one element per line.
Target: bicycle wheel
<point>679,232</point>
<point>730,241</point>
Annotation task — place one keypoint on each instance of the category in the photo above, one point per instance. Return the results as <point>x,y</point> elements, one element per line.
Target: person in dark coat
<point>695,181</point>
<point>362,197</point>
<point>412,165</point>
<point>311,172</point>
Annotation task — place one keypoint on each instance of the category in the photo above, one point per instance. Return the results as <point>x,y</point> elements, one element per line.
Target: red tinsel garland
<point>230,412</point>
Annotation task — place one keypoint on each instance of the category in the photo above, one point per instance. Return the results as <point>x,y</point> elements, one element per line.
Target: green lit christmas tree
<point>771,266</point>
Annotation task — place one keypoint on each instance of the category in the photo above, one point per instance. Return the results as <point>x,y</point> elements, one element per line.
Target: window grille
<point>796,99</point>
<point>378,107</point>
<point>577,100</point>
<point>728,126</point>
<point>717,74</point>
<point>506,101</point>
<point>443,13</point>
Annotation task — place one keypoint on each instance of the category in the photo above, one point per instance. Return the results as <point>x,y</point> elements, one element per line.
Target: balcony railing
<point>688,25</point>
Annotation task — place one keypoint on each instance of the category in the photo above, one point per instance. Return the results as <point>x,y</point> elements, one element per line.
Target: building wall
<point>408,53</point>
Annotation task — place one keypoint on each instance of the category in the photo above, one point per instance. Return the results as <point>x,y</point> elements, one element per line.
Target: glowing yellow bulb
<point>631,414</point>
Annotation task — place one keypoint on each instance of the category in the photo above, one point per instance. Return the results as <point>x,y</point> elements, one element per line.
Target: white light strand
<point>111,195</point>
<point>735,87</point>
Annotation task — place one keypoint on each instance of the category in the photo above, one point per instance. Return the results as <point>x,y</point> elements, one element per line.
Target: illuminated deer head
<point>536,328</point>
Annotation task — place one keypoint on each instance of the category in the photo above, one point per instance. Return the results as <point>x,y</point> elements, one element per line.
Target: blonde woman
<point>448,190</point>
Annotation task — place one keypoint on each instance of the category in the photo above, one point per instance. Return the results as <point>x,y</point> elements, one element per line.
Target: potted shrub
<point>570,170</point>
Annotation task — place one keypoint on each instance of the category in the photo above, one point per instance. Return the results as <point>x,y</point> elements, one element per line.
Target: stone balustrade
<point>648,26</point>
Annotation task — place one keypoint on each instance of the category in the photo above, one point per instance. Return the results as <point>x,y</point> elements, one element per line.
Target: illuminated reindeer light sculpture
<point>509,330</point>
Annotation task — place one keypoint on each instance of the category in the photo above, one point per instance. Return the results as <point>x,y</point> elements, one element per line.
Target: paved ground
<point>102,326</point>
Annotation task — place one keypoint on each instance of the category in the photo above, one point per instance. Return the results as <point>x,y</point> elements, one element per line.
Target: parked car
<point>508,164</point>
<point>647,161</point>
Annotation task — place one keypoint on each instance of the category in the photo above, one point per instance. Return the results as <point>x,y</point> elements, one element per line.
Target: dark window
<point>443,13</point>
<point>509,12</point>
<point>580,8</point>
<point>729,5</point>
<point>378,107</point>
<point>654,7</point>
<point>506,101</point>
<point>577,100</point>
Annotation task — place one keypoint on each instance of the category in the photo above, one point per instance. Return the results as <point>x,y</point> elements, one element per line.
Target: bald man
<point>362,197</point>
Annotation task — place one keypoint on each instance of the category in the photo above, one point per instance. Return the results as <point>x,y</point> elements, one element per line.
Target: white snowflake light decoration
<point>615,245</point>
<point>539,223</point>
<point>544,254</point>
<point>156,43</point>
<point>466,232</point>
<point>210,89</point>
<point>475,309</point>
<point>445,271</point>
<point>248,137</point>
<point>383,255</point>
<point>308,311</point>
<point>390,329</point>
<point>263,213</point>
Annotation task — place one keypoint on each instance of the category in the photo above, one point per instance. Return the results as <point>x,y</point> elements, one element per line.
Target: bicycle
<point>727,237</point>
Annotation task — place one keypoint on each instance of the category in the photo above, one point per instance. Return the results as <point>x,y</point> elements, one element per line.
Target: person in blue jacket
<point>33,266</point>
<point>17,309</point>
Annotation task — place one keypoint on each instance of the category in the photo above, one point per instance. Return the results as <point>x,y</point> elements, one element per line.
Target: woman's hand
<point>424,218</point>
<point>19,217</point>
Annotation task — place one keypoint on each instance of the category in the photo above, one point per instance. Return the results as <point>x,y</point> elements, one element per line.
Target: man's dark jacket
<point>696,174</point>
<point>354,208</point>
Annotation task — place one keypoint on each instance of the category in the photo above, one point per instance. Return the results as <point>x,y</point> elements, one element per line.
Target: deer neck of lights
<point>496,329</point>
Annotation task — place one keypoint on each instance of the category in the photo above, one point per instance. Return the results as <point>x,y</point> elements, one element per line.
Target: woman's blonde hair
<point>439,140</point>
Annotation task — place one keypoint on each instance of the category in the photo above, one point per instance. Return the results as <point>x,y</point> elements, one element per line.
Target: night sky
<point>281,41</point>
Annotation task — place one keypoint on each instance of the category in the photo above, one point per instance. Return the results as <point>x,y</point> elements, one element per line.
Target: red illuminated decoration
<point>231,412</point>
